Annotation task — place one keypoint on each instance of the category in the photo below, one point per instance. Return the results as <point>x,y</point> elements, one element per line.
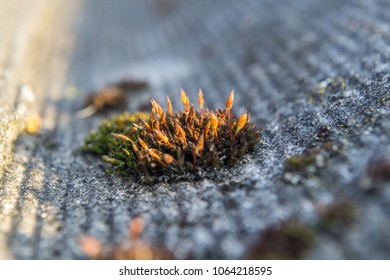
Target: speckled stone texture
<point>315,75</point>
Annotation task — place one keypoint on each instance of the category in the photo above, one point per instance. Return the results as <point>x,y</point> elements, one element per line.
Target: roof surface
<point>315,75</point>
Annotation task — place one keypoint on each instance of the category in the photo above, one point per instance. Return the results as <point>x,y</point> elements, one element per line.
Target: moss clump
<point>168,143</point>
<point>288,240</point>
<point>337,215</point>
<point>379,170</point>
<point>312,159</point>
<point>299,162</point>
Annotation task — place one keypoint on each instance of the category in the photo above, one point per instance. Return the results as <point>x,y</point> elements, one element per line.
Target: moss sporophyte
<point>169,143</point>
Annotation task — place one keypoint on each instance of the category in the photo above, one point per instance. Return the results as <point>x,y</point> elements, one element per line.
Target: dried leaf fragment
<point>110,97</point>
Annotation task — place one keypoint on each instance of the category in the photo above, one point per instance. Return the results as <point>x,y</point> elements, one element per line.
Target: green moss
<point>331,85</point>
<point>299,162</point>
<point>101,141</point>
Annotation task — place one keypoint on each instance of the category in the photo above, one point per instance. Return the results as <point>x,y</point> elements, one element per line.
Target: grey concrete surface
<point>296,66</point>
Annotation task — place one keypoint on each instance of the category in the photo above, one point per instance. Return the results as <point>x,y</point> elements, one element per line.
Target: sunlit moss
<point>168,142</point>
